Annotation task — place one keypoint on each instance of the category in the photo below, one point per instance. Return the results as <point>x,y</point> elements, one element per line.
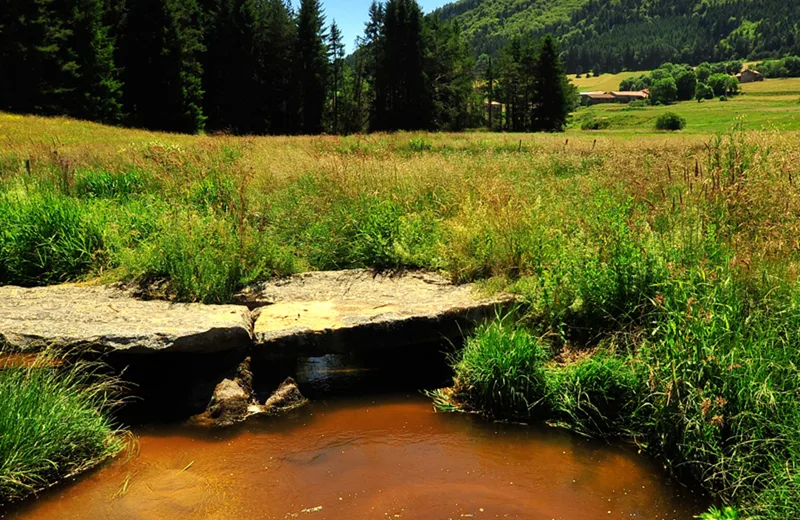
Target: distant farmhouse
<point>595,98</point>
<point>749,76</point>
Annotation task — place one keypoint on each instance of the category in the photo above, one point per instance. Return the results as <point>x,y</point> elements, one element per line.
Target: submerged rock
<point>229,405</point>
<point>286,397</point>
<point>110,319</point>
<point>320,313</point>
<point>234,400</point>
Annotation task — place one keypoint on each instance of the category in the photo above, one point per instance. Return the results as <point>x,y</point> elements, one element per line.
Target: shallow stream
<point>384,456</point>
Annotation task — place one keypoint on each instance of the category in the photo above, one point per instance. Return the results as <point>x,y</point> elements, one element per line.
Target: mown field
<point>658,272</point>
<point>602,83</point>
<point>773,104</point>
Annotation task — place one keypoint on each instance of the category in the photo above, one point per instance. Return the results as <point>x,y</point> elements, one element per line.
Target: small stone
<point>286,397</point>
<point>232,401</point>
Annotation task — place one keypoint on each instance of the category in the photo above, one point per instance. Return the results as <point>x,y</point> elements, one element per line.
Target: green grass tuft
<point>46,238</point>
<point>54,422</point>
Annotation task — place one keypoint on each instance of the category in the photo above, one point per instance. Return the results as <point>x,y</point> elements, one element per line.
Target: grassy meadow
<point>603,82</point>
<point>658,272</point>
<point>773,104</point>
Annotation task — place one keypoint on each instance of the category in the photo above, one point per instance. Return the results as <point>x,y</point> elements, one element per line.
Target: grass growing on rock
<point>54,422</point>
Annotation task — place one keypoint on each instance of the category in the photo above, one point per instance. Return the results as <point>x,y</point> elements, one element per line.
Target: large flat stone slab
<point>109,319</point>
<point>319,313</point>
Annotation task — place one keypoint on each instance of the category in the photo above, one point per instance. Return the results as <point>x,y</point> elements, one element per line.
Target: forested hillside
<point>609,35</point>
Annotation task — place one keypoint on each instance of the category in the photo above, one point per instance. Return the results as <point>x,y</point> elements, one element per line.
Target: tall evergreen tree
<point>402,100</point>
<point>448,69</point>
<point>489,79</point>
<point>337,64</point>
<point>276,47</point>
<point>97,89</point>
<point>370,56</point>
<point>160,49</point>
<point>36,59</point>
<point>231,67</point>
<point>57,58</point>
<point>555,97</point>
<point>312,65</point>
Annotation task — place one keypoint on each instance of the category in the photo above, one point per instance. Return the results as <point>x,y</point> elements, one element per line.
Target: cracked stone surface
<point>111,320</point>
<point>311,314</point>
<point>347,311</point>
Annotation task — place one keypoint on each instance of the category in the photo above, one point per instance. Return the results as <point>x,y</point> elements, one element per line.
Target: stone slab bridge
<point>307,315</point>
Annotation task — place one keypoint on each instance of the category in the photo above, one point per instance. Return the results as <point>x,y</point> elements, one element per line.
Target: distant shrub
<point>686,81</point>
<point>419,144</point>
<point>664,91</point>
<point>723,98</point>
<point>670,121</point>
<point>703,91</point>
<point>595,124</point>
<point>638,103</point>
<point>636,83</point>
<point>720,84</point>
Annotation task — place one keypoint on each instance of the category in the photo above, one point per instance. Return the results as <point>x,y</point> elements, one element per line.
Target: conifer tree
<point>160,48</point>
<point>402,101</point>
<point>371,55</point>
<point>489,78</point>
<point>275,43</point>
<point>183,47</point>
<point>554,95</point>
<point>231,78</point>
<point>312,65</point>
<point>337,64</point>
<point>448,69</point>
<point>97,90</point>
<point>19,37</point>
<point>36,59</point>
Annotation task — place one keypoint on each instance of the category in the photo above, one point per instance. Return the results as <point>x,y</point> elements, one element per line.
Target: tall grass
<point>45,238</point>
<point>693,337</point>
<point>54,422</point>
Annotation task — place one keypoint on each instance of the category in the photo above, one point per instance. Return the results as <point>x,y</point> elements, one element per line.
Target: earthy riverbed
<point>390,456</point>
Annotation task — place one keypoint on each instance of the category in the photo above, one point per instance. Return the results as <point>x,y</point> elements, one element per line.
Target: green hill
<point>612,35</point>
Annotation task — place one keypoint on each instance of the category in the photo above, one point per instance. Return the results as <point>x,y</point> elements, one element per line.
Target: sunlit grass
<point>54,423</point>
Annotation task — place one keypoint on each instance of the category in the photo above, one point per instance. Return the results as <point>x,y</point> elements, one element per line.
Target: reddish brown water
<point>387,457</point>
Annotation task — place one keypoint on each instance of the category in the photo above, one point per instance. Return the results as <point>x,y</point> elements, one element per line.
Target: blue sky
<point>350,15</point>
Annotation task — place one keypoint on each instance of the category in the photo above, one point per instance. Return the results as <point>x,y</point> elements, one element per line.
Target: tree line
<point>255,67</point>
<point>681,82</point>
